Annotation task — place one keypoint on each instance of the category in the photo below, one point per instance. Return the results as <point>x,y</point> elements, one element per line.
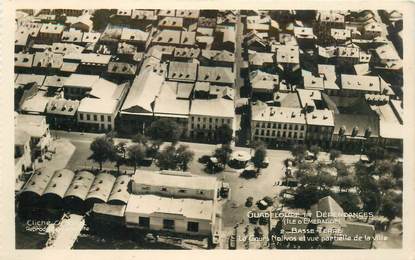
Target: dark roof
<point>362,122</point>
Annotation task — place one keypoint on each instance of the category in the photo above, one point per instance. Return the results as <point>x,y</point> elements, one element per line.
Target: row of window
<point>282,134</point>
<point>211,120</point>
<point>279,126</point>
<point>203,127</point>
<point>168,224</point>
<point>94,117</point>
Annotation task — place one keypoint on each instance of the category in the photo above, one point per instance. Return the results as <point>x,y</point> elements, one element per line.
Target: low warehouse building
<point>186,216</point>
<point>77,192</point>
<point>34,189</point>
<point>56,189</point>
<point>100,189</point>
<point>120,194</point>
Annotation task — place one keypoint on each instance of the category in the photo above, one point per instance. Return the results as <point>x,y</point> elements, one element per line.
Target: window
<point>285,126</point>
<point>210,120</point>
<point>267,132</point>
<point>88,117</point>
<point>290,127</point>
<point>109,128</point>
<point>301,135</point>
<point>102,118</point>
<point>81,116</point>
<point>257,124</point>
<point>256,131</point>
<point>95,118</point>
<point>144,222</point>
<point>168,224</point>
<point>192,226</point>
<point>295,134</point>
<point>163,189</point>
<point>273,132</point>
<point>274,125</point>
<point>204,119</point>
<point>109,118</point>
<point>269,125</point>
<point>262,132</point>
<point>263,125</point>
<point>296,127</point>
<point>279,126</point>
<point>302,127</point>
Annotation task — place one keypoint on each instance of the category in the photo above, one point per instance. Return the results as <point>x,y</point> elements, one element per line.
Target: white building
<point>188,216</point>
<point>206,115</point>
<point>278,124</point>
<point>98,111</point>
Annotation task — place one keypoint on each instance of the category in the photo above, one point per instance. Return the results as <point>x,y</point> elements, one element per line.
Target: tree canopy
<point>102,150</point>
<point>165,129</point>
<point>172,158</point>
<point>136,153</point>
<point>223,134</point>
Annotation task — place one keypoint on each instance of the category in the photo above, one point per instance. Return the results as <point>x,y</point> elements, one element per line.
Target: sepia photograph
<point>208,129</point>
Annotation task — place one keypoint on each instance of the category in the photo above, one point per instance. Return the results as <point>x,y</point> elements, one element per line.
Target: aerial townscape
<point>208,129</point>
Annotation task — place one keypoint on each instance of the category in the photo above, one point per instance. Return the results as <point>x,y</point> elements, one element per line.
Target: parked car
<point>224,190</point>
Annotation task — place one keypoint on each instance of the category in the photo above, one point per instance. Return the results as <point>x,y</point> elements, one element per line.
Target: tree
<point>342,169</point>
<point>101,18</point>
<point>121,147</point>
<point>223,134</point>
<point>371,201</point>
<point>259,157</point>
<point>334,154</point>
<point>307,196</point>
<point>175,158</point>
<point>165,129</point>
<point>348,201</point>
<point>154,148</point>
<point>223,153</point>
<point>391,206</point>
<point>298,152</point>
<point>166,158</point>
<point>346,182</point>
<point>140,138</point>
<point>136,153</point>
<point>102,150</point>
<point>377,153</point>
<point>184,156</point>
<point>315,149</point>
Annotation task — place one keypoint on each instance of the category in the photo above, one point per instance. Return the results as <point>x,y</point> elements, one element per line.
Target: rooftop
<point>218,107</point>
<point>182,71</point>
<point>216,74</point>
<point>360,83</point>
<point>159,178</point>
<point>278,114</point>
<point>189,208</point>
